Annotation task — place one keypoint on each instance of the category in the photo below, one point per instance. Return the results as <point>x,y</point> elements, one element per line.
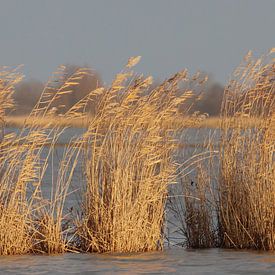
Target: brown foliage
<point>26,95</point>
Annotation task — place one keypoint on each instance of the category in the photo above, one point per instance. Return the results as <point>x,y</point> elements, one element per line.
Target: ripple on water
<point>171,261</point>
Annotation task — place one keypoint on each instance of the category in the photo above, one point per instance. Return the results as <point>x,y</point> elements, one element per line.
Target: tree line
<point>28,92</point>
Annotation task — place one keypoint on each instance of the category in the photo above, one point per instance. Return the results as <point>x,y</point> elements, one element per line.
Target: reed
<point>51,226</point>
<point>129,163</point>
<point>30,222</point>
<point>230,202</point>
<point>191,205</point>
<point>247,173</point>
<point>129,154</point>
<point>13,223</point>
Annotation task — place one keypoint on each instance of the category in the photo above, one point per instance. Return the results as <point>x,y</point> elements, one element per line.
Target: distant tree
<point>208,95</point>
<point>211,100</point>
<point>26,95</point>
<point>28,92</point>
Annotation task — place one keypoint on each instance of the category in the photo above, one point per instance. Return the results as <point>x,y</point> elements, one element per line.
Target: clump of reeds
<point>30,222</point>
<point>130,160</point>
<point>192,212</point>
<point>129,163</point>
<point>51,227</point>
<point>246,189</point>
<point>13,222</point>
<point>234,209</point>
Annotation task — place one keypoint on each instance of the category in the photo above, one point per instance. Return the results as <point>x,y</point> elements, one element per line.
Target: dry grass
<point>13,222</point>
<point>246,187</point>
<point>28,221</point>
<point>129,164</point>
<point>236,208</point>
<point>193,219</point>
<point>199,228</point>
<point>52,232</point>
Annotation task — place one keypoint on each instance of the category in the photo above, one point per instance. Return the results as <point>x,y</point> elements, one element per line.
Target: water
<point>173,260</point>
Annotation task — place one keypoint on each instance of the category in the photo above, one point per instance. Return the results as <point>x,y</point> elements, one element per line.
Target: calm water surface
<point>171,261</point>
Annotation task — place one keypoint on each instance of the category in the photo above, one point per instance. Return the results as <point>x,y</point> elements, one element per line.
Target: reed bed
<point>230,202</point>
<point>136,184</point>
<point>30,223</point>
<point>129,163</point>
<point>191,204</point>
<point>247,175</point>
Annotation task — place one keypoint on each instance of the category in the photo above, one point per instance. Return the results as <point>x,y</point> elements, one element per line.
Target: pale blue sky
<point>210,35</point>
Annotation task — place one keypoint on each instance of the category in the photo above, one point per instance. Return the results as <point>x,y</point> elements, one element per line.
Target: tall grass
<point>234,207</point>
<point>247,175</point>
<point>129,163</point>
<point>30,222</point>
<point>192,211</point>
<point>129,156</point>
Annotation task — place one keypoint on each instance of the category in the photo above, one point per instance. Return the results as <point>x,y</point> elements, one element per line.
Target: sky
<point>170,35</point>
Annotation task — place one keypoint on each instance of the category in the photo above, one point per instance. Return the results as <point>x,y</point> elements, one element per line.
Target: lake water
<point>173,260</point>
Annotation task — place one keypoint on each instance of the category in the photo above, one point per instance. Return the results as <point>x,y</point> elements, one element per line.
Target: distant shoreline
<point>210,122</point>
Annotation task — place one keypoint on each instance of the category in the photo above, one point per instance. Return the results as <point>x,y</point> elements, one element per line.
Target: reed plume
<point>129,151</point>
